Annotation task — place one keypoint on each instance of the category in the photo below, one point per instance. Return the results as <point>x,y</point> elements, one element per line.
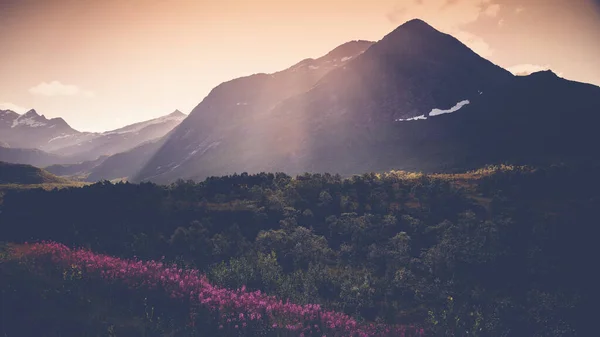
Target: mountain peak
<point>412,27</point>
<point>176,113</point>
<point>416,37</point>
<point>58,120</point>
<point>31,113</point>
<point>544,73</point>
<point>416,23</point>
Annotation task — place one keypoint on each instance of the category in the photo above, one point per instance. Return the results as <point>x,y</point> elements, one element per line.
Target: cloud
<point>526,69</point>
<point>449,16</point>
<point>519,9</point>
<point>501,23</point>
<point>13,107</point>
<point>492,10</point>
<point>55,88</point>
<point>444,14</point>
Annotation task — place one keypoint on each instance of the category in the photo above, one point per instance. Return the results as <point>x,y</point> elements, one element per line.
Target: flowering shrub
<point>235,308</point>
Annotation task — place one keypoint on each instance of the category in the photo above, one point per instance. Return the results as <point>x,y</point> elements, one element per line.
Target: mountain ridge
<point>382,83</point>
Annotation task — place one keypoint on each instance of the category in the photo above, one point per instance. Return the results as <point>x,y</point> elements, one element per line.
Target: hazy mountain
<point>33,157</point>
<point>121,165</point>
<point>78,171</point>
<point>124,165</point>
<point>60,144</point>
<point>339,118</point>
<point>235,107</point>
<point>123,139</point>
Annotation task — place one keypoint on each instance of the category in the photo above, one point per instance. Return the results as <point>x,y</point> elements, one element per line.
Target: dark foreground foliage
<point>506,251</point>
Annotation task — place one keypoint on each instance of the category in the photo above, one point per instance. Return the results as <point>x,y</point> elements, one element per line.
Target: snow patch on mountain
<point>411,119</point>
<point>436,112</point>
<point>62,136</point>
<point>458,106</point>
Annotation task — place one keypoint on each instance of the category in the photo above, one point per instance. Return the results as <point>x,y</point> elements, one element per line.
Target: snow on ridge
<point>311,67</point>
<point>27,121</point>
<point>60,137</point>
<point>458,106</point>
<point>344,59</point>
<point>137,127</point>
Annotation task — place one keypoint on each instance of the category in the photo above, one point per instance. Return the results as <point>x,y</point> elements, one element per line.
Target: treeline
<point>506,251</point>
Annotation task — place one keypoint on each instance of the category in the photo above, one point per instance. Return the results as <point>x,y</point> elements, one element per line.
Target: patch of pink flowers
<point>238,305</point>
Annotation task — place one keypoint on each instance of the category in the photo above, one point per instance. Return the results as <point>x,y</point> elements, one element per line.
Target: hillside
<point>32,157</point>
<point>123,165</point>
<point>27,175</point>
<point>234,108</point>
<point>500,251</point>
<point>77,171</point>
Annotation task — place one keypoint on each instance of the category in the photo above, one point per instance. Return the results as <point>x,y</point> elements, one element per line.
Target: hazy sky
<point>101,64</point>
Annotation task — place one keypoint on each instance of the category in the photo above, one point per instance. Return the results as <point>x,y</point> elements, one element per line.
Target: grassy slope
<point>21,177</point>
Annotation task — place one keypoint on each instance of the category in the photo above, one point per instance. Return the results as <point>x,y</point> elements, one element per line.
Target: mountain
<point>76,171</point>
<point>26,174</point>
<point>39,141</point>
<point>123,139</point>
<point>338,118</point>
<point>32,130</point>
<point>124,165</point>
<point>33,157</point>
<point>234,107</point>
<point>539,119</point>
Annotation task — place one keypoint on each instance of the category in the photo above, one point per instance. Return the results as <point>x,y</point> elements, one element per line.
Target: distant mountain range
<point>33,139</point>
<point>123,139</point>
<point>32,130</point>
<point>418,99</point>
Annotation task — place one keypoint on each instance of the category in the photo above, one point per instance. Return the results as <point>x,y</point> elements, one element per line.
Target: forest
<point>501,251</point>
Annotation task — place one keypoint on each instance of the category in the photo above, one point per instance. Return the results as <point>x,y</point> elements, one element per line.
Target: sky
<point>102,64</point>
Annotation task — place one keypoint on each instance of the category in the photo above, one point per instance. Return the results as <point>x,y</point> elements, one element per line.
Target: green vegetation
<point>25,177</point>
<point>501,251</point>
